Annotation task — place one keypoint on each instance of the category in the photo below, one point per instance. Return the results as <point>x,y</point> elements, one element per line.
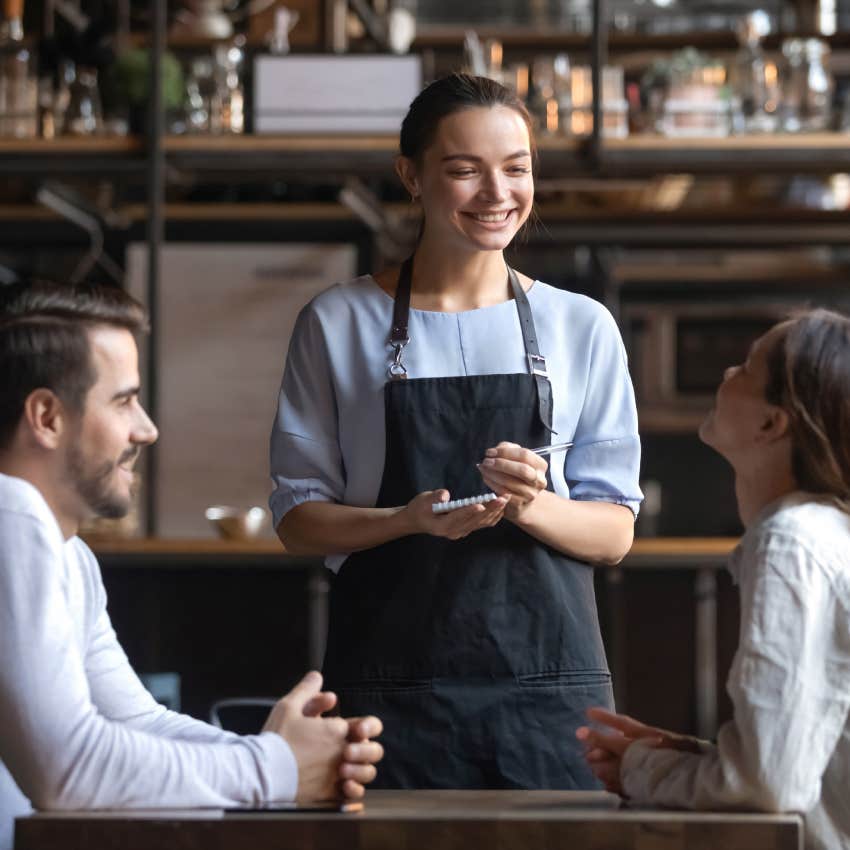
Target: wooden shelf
<point>344,155</point>
<point>180,547</point>
<point>388,143</point>
<point>283,211</point>
<point>451,37</point>
<point>760,142</point>
<point>448,37</point>
<point>779,152</point>
<point>340,156</point>
<point>301,143</point>
<point>73,146</point>
<point>68,155</point>
<point>679,552</point>
<point>565,223</point>
<point>555,38</point>
<point>322,157</point>
<point>200,553</point>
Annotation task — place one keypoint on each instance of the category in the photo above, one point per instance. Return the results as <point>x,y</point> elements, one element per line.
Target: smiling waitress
<point>472,634</point>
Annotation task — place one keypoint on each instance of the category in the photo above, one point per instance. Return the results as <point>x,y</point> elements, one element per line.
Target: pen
<point>548,450</point>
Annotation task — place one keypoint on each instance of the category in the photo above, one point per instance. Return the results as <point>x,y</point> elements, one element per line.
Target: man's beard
<point>93,486</point>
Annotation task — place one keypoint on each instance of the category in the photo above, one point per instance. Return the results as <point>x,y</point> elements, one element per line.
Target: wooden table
<point>426,820</point>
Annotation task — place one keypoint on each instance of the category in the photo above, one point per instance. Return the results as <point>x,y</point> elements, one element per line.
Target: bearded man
<point>77,728</point>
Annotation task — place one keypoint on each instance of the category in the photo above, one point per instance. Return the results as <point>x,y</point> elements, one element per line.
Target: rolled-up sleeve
<point>306,461</point>
<point>604,462</point>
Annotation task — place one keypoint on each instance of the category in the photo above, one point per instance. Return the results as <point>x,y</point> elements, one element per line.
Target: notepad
<point>445,507</point>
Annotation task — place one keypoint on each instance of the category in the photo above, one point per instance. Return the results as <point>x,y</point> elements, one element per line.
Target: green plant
<point>128,79</point>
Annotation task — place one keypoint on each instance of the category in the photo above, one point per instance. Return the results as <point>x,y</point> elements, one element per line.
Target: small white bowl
<point>235,523</point>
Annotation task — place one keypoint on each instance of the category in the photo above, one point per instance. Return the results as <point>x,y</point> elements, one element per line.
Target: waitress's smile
<point>493,220</point>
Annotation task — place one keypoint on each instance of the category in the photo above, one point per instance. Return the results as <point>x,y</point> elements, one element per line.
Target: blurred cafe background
<point>226,160</point>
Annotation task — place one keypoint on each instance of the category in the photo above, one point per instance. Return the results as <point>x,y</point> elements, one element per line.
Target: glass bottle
<point>18,77</point>
<point>203,98</point>
<point>542,102</point>
<point>84,116</point>
<point>277,40</point>
<point>754,79</point>
<point>229,61</point>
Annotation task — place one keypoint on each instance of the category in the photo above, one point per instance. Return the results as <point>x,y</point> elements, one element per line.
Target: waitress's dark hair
<point>809,377</point>
<point>446,96</point>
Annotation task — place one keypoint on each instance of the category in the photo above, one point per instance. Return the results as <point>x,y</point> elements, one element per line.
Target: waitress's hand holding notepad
<point>427,514</point>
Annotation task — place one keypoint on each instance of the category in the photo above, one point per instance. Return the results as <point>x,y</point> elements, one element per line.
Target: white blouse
<point>788,746</point>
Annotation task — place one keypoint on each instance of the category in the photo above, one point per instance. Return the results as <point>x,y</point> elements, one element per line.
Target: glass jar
<point>807,95</point>
<point>578,117</point>
<point>696,102</point>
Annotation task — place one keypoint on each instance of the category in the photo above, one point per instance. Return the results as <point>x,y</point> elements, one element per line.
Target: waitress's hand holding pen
<point>510,470</point>
<point>455,524</point>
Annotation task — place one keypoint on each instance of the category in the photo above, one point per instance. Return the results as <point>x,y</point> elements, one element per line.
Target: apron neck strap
<point>399,336</point>
<point>401,315</point>
<point>536,361</point>
<point>401,307</point>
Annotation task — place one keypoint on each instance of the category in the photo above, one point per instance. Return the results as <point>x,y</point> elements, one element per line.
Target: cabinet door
<point>225,318</point>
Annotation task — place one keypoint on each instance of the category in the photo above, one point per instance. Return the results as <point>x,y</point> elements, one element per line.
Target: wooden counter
<point>650,551</point>
<point>430,820</point>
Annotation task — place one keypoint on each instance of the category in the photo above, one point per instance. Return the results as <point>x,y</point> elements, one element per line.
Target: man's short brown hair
<point>44,341</point>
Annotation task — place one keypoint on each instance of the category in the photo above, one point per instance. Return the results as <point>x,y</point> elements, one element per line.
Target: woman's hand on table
<point>454,524</point>
<point>517,473</point>
<point>334,755</point>
<point>604,749</point>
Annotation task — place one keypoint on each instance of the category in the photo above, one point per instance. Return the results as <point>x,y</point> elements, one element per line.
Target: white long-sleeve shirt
<point>788,746</point>
<point>78,730</point>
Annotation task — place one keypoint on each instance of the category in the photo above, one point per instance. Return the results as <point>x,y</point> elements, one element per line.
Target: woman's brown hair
<point>446,96</point>
<point>809,377</point>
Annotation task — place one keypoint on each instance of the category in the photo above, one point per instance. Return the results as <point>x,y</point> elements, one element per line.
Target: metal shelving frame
<point>155,174</point>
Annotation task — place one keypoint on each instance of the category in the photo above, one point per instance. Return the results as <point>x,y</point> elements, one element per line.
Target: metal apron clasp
<point>537,365</point>
<point>397,371</point>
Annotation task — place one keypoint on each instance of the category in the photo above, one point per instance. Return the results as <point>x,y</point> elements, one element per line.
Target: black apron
<point>480,655</point>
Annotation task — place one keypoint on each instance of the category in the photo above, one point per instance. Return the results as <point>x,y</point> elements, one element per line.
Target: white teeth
<point>495,217</point>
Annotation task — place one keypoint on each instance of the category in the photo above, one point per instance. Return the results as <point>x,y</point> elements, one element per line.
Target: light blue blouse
<point>327,442</point>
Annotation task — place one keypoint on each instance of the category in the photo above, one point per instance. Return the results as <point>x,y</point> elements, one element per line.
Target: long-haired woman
<point>782,420</point>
